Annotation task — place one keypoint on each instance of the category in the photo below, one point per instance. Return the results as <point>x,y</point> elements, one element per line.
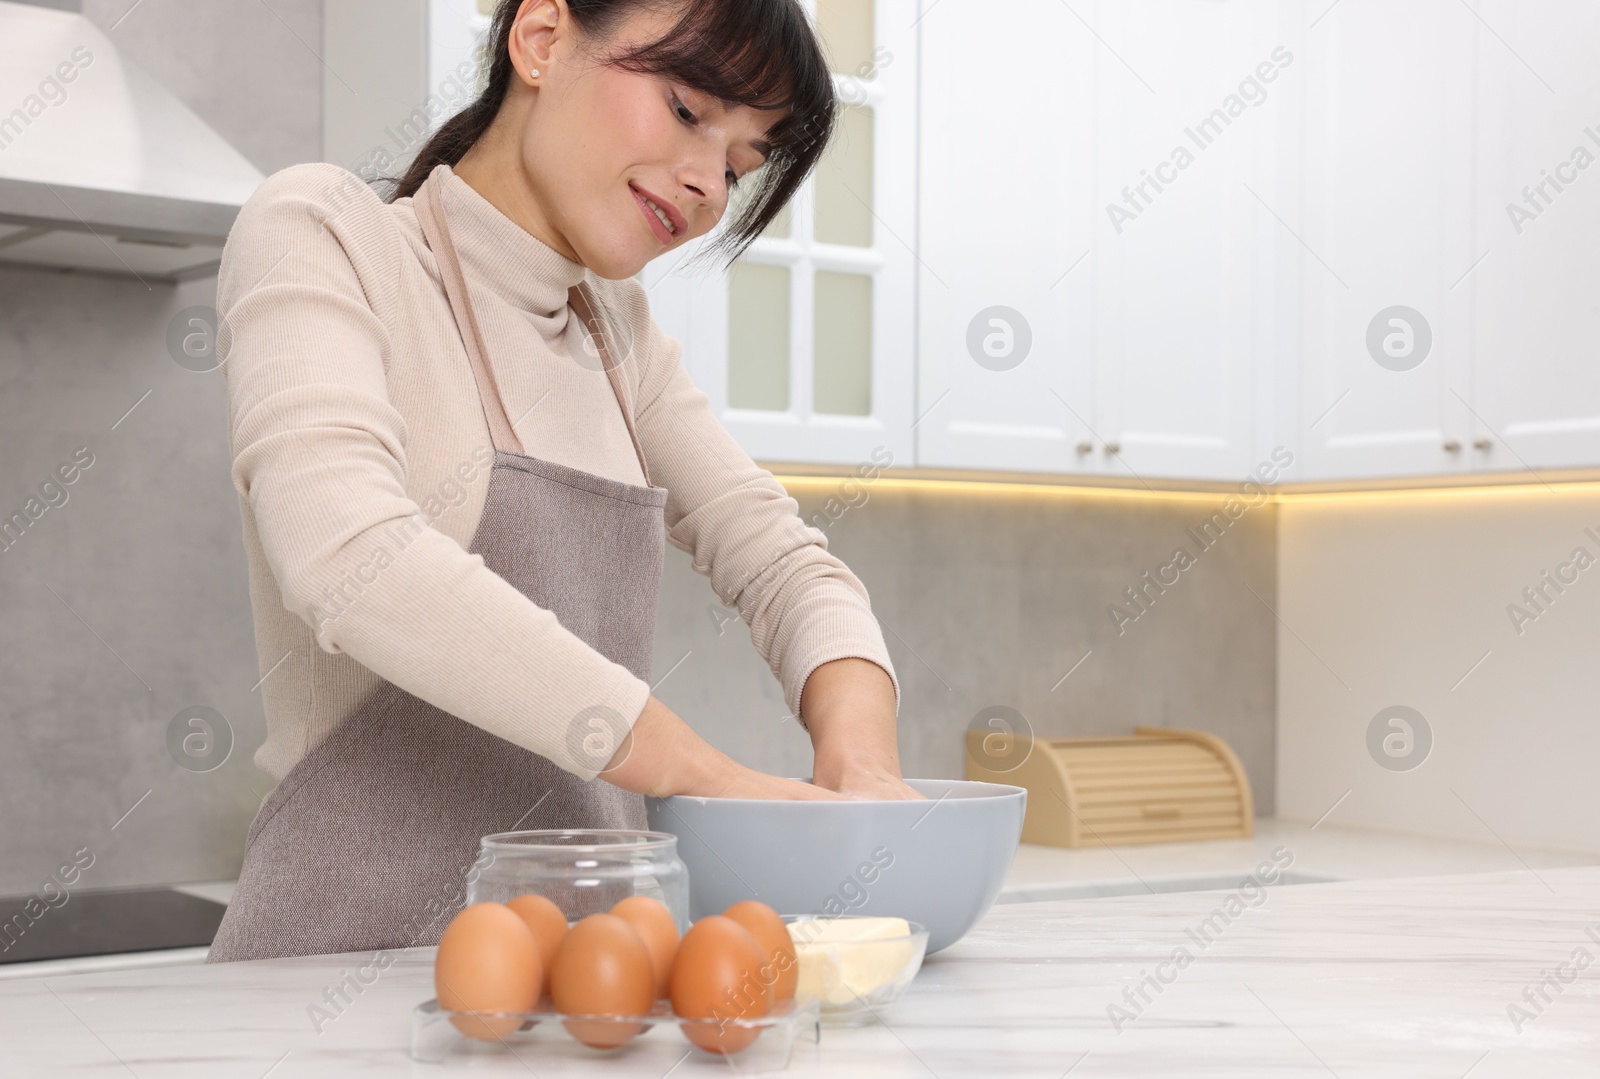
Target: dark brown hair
<point>760,53</point>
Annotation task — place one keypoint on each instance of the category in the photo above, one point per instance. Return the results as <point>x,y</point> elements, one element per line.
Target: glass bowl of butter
<point>854,964</point>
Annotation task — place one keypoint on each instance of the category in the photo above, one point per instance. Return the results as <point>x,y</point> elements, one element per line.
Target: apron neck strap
<point>429,205</point>
<point>578,297</point>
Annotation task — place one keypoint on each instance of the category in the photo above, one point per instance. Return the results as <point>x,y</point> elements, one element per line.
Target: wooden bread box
<point>1160,786</point>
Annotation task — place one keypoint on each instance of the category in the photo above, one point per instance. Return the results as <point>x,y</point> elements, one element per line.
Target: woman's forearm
<point>662,755</point>
<point>849,708</point>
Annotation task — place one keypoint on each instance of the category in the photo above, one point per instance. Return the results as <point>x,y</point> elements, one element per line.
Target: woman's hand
<point>662,756</point>
<point>860,785</point>
<point>753,784</point>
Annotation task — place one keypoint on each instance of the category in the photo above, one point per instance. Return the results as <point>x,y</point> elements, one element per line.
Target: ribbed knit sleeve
<point>308,285</point>
<point>803,605</point>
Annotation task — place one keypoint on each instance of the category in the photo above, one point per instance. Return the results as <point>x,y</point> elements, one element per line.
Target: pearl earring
<point>533,73</point>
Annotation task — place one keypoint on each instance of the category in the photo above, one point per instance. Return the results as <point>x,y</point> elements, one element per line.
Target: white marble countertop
<point>1325,850</point>
<point>1402,977</point>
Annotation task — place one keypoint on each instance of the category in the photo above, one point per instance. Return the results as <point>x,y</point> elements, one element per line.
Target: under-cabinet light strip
<point>1590,488</point>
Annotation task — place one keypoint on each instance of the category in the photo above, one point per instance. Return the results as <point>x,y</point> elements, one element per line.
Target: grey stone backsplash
<point>991,598</point>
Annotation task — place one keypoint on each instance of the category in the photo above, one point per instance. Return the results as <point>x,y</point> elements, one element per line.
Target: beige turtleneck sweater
<point>352,408</point>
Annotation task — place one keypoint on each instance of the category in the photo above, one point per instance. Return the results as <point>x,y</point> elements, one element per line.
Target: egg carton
<point>435,1039</point>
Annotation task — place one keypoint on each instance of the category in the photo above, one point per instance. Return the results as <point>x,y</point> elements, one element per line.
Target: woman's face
<point>595,142</point>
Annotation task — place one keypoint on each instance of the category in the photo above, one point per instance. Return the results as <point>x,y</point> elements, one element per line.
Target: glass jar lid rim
<point>561,839</point>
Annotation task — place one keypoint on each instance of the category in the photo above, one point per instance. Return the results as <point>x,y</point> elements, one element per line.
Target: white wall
<point>1397,596</point>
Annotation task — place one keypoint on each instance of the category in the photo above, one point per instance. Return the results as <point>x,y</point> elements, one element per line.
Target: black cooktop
<point>105,922</point>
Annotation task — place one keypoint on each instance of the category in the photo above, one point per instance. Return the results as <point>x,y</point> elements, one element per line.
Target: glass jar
<point>582,872</point>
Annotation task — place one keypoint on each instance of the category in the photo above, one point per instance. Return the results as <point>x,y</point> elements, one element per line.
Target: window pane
<point>844,182</point>
<point>846,30</point>
<point>842,371</point>
<point>740,199</point>
<point>758,336</point>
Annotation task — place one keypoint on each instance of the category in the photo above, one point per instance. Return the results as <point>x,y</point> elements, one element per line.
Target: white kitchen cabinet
<point>1387,221</point>
<point>1182,300</point>
<point>1335,271</point>
<point>1096,210</point>
<point>1535,299</point>
<point>1423,124</point>
<point>1005,377</point>
<point>805,346</point>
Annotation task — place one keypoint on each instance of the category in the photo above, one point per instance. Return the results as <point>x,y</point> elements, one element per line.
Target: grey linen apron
<point>366,844</point>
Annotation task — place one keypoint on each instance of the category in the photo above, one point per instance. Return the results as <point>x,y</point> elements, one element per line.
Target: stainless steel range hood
<point>101,168</point>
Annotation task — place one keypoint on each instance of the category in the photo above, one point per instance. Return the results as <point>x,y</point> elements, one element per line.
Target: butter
<point>842,959</point>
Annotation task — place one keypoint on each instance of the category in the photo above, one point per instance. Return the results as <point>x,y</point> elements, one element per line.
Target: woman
<point>453,649</point>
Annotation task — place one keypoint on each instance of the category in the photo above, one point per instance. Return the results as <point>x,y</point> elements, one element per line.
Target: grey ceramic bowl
<point>940,862</point>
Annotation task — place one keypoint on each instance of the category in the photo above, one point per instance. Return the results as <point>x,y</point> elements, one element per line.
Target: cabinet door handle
<point>1452,446</point>
<point>1086,446</point>
<point>1113,447</point>
<point>1482,444</point>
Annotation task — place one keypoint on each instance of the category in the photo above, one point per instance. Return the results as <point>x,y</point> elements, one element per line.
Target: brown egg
<point>487,962</point>
<point>776,944</point>
<point>602,968</point>
<point>548,926</point>
<point>716,976</point>
<point>653,922</point>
